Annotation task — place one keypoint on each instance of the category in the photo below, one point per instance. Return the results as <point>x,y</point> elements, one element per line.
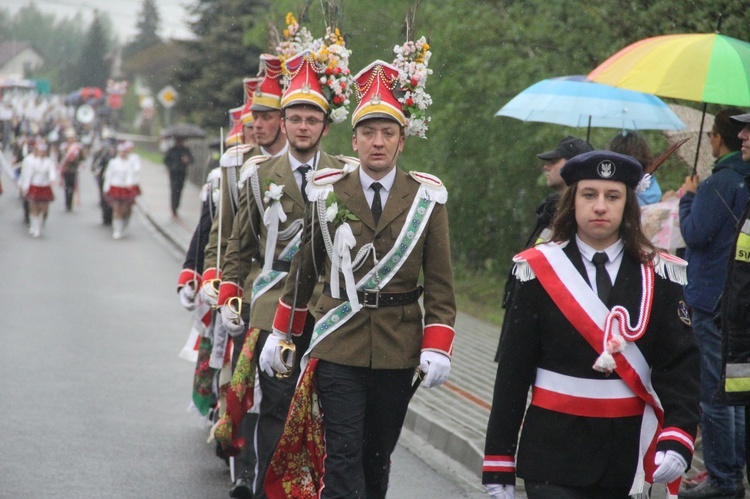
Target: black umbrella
<point>183,131</point>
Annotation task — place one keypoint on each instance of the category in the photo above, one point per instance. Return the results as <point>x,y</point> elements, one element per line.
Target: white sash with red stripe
<point>589,316</point>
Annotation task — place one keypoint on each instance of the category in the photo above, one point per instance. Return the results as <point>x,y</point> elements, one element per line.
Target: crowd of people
<point>49,148</point>
<point>322,295</point>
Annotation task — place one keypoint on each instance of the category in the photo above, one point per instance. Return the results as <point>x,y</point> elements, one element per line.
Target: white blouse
<point>38,171</point>
<point>122,172</point>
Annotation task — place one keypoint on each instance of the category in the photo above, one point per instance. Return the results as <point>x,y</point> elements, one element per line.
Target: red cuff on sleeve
<point>438,337</point>
<point>228,290</point>
<point>499,464</point>
<point>673,434</point>
<point>211,273</point>
<point>186,276</point>
<point>283,314</point>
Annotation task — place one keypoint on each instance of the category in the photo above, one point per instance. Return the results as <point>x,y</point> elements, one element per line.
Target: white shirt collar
<point>386,182</point>
<point>295,163</point>
<point>613,252</point>
<point>284,149</point>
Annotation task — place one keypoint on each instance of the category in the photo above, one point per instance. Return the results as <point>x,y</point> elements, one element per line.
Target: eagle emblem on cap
<point>605,168</point>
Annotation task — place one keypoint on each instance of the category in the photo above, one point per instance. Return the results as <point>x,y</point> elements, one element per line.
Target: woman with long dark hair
<point>599,331</point>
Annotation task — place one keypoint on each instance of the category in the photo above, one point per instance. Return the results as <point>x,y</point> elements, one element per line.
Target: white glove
<point>435,367</point>
<point>232,321</point>
<point>670,466</point>
<point>187,297</point>
<point>270,357</point>
<point>498,491</point>
<point>208,294</point>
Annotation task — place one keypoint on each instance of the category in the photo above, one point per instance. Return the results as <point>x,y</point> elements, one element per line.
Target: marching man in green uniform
<point>377,229</point>
<point>266,234</point>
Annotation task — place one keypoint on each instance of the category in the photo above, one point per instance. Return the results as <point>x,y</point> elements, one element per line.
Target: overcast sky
<point>123,13</point>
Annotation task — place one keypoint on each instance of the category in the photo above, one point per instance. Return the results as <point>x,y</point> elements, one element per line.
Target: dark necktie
<point>377,206</point>
<point>603,283</point>
<point>303,171</point>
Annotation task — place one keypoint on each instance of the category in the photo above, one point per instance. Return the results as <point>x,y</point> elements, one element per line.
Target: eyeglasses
<point>297,120</point>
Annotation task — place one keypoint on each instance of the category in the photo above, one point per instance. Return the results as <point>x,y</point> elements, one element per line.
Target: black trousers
<point>244,462</point>
<point>69,181</point>
<point>537,490</point>
<point>363,412</point>
<point>176,184</point>
<point>274,405</point>
<point>106,208</point>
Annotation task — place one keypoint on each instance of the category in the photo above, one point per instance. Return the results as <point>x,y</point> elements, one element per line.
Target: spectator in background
<point>634,144</point>
<point>708,217</point>
<point>554,160</point>
<point>735,308</point>
<point>178,159</point>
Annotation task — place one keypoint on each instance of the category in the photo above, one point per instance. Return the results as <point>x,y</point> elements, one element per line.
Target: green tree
<point>484,53</point>
<point>209,78</point>
<point>148,25</point>
<point>92,68</point>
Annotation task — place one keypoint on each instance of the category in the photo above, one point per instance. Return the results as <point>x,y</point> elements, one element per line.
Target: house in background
<point>18,59</point>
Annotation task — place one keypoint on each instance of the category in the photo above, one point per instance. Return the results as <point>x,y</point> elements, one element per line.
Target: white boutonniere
<point>336,211</point>
<point>273,193</point>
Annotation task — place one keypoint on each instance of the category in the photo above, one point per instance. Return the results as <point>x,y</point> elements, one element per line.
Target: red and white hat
<point>250,85</point>
<point>268,93</point>
<point>376,88</point>
<point>303,74</point>
<point>235,134</point>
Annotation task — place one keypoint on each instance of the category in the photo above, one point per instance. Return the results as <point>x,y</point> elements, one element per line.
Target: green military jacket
<point>247,243</point>
<point>386,337</point>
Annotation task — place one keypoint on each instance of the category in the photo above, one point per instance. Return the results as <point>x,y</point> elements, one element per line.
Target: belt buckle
<point>371,298</point>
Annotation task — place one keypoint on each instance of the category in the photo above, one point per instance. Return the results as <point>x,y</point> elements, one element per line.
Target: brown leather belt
<point>373,298</point>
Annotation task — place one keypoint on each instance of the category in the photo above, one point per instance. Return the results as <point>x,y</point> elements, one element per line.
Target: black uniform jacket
<point>581,451</point>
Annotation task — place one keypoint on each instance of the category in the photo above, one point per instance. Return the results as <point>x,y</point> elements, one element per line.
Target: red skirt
<point>123,193</point>
<point>40,193</point>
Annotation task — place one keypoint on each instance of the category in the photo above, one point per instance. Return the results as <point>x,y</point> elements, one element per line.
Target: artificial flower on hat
<point>397,91</point>
<point>412,59</point>
<point>326,57</point>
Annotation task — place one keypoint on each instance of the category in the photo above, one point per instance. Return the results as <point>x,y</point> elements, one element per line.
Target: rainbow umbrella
<point>698,67</point>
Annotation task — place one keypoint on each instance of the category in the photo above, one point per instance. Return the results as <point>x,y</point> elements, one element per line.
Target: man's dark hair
<point>728,129</point>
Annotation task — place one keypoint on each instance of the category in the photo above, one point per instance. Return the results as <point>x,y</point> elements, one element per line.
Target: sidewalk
<point>451,419</point>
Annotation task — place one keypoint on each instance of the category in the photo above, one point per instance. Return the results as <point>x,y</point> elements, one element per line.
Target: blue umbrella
<point>576,102</point>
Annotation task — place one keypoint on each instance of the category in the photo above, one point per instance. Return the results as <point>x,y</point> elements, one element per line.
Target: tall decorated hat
<point>235,133</point>
<point>377,87</point>
<point>250,84</point>
<point>397,91</point>
<point>267,94</point>
<point>303,74</point>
